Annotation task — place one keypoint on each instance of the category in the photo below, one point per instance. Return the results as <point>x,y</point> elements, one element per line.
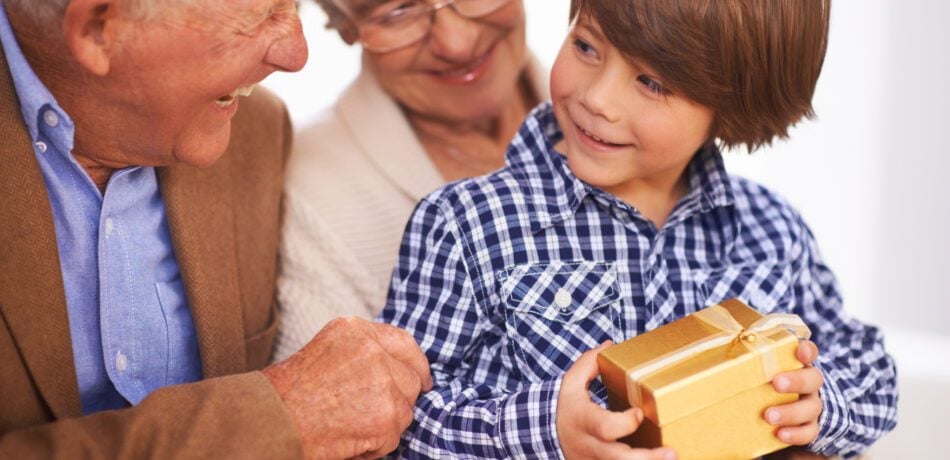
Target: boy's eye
<point>584,47</point>
<point>652,85</point>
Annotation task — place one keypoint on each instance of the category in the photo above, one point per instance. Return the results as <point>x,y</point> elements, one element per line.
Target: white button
<point>41,146</point>
<point>51,118</point>
<point>121,362</point>
<point>562,299</point>
<point>109,226</point>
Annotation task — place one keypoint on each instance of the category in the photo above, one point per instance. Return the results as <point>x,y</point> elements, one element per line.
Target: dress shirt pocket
<point>765,285</point>
<point>556,311</point>
<point>184,361</point>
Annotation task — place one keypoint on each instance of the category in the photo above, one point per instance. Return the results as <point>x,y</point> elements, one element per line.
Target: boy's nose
<point>600,97</point>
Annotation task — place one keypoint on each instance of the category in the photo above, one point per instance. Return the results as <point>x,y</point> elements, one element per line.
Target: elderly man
<point>137,289</point>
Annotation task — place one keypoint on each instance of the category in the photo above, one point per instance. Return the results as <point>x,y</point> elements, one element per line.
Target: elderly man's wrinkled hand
<point>351,390</point>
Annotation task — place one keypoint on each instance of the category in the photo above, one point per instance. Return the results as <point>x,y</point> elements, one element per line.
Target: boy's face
<point>623,131</point>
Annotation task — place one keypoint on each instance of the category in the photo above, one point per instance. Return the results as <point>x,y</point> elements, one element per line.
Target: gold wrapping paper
<point>703,381</point>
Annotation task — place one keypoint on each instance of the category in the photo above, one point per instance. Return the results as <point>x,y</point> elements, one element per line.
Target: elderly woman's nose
<point>454,37</point>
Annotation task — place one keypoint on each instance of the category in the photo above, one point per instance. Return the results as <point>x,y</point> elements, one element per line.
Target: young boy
<point>615,216</point>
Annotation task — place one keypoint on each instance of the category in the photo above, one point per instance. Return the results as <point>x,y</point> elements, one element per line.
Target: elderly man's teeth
<point>226,101</point>
<point>245,91</point>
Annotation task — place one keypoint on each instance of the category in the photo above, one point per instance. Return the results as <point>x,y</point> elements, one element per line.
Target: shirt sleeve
<point>468,413</point>
<point>859,396</point>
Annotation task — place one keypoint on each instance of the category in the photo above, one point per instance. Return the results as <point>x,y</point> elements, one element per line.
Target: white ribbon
<point>717,316</point>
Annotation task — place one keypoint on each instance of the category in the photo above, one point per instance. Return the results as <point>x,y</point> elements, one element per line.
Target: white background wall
<point>870,175</point>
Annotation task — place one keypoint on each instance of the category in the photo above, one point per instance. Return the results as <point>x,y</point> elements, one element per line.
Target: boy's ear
<point>89,31</point>
<point>348,33</point>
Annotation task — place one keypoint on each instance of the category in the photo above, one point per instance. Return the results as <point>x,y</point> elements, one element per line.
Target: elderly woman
<point>443,88</point>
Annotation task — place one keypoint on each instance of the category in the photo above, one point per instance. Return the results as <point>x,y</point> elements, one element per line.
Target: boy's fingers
<point>585,369</point>
<point>807,352</point>
<point>653,454</point>
<point>801,381</point>
<point>611,426</point>
<point>805,410</point>
<point>798,435</point>
<point>622,451</point>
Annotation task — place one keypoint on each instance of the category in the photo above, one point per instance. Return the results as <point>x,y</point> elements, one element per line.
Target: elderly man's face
<point>176,78</point>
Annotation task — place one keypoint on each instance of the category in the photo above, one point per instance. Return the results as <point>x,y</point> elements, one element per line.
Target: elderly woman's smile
<point>466,72</point>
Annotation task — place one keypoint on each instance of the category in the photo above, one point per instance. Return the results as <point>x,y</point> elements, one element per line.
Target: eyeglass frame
<point>430,11</point>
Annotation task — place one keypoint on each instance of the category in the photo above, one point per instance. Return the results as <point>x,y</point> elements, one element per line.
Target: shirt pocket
<point>184,360</point>
<point>764,285</point>
<point>556,311</point>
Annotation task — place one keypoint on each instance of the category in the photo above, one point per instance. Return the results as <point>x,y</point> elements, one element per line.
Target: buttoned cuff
<point>835,420</point>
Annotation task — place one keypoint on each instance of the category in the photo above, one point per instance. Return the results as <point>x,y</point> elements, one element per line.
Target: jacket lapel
<point>199,205</point>
<point>32,297</point>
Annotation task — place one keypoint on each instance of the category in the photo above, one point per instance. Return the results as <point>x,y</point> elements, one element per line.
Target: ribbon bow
<point>717,316</point>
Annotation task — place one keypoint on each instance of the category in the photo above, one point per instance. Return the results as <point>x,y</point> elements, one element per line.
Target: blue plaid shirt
<point>504,280</point>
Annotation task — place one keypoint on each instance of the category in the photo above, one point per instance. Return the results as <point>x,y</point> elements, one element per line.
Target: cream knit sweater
<point>353,179</point>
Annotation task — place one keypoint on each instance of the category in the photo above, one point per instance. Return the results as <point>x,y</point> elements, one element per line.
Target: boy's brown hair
<point>755,63</point>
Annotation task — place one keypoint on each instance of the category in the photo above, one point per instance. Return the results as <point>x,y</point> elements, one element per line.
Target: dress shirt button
<point>121,362</point>
<point>562,299</point>
<point>41,146</point>
<point>109,226</point>
<point>51,119</point>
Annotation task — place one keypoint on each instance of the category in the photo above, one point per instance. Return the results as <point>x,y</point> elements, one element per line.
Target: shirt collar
<point>708,179</point>
<point>33,94</point>
<point>554,193</point>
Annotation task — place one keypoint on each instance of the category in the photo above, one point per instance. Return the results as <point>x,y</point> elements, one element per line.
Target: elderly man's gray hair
<point>50,12</point>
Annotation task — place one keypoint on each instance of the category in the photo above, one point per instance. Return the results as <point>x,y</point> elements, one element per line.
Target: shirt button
<point>562,299</point>
<point>109,226</point>
<point>41,146</point>
<point>51,118</point>
<point>121,362</point>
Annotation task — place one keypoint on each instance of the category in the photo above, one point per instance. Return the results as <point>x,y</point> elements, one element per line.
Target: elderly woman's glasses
<point>399,23</point>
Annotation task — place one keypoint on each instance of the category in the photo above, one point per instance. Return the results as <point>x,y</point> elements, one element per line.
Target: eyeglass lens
<point>398,23</point>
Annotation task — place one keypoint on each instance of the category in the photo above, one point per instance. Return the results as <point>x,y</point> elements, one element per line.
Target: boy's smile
<point>596,142</point>
<point>624,132</point>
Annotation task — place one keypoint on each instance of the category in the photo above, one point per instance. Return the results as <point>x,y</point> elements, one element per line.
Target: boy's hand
<point>587,430</point>
<point>798,421</point>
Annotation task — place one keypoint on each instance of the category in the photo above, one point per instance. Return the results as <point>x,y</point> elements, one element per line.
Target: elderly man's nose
<point>453,37</point>
<point>289,53</point>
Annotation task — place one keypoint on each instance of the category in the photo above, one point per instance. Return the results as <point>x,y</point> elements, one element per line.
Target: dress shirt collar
<point>35,99</point>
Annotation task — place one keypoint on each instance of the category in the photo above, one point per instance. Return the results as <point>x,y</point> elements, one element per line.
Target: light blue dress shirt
<point>131,327</point>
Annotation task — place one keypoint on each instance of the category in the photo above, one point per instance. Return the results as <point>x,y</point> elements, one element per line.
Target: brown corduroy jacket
<point>224,221</point>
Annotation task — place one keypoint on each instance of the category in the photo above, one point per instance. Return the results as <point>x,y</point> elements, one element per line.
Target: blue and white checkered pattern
<point>504,280</point>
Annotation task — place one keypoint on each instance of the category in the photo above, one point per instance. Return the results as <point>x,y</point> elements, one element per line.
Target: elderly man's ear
<point>89,28</point>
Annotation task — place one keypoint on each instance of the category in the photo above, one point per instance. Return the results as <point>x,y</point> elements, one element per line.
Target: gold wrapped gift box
<point>704,381</point>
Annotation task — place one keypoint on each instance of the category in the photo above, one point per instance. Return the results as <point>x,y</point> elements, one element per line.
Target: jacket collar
<point>200,206</point>
<point>32,297</point>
